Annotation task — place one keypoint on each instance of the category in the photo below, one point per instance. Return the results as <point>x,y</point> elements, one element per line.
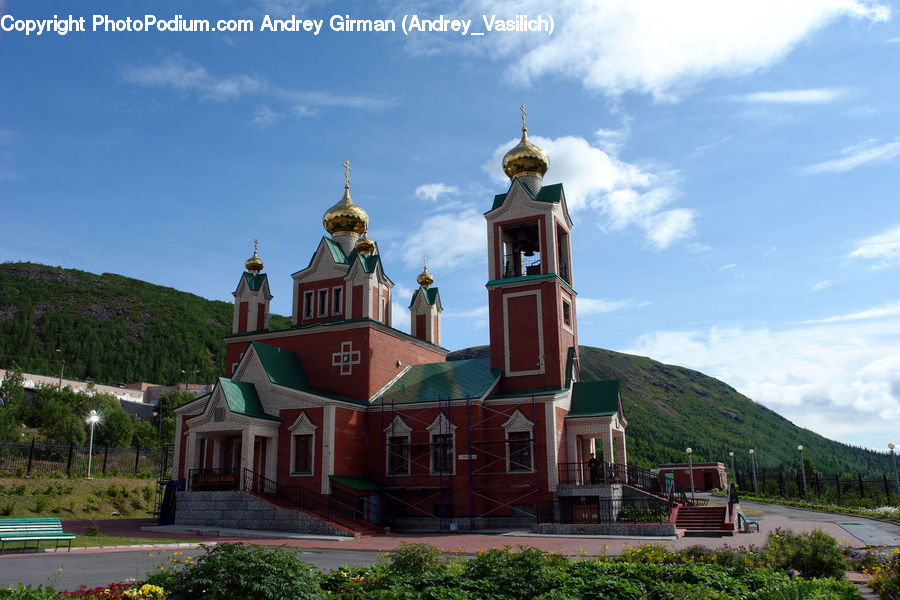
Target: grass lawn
<point>76,498</point>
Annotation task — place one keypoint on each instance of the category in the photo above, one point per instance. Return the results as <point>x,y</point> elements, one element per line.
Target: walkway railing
<point>297,497</point>
<point>579,473</point>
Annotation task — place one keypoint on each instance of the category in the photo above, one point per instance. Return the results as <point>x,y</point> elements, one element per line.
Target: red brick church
<point>343,405</point>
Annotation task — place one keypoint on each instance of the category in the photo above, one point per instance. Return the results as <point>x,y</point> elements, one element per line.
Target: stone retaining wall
<point>240,510</point>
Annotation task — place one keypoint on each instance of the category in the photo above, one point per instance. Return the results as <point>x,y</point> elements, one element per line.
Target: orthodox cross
<point>347,170</point>
<point>346,358</point>
<point>522,108</point>
<point>255,243</point>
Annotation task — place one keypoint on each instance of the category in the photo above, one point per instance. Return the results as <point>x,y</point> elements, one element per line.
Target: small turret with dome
<point>346,221</point>
<point>254,264</point>
<point>365,245</point>
<point>526,161</point>
<point>425,308</point>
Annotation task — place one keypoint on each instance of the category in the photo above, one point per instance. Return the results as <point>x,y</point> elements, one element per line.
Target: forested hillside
<point>109,328</point>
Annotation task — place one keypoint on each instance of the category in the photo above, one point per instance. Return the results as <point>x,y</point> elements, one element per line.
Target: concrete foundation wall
<point>625,529</point>
<point>240,510</point>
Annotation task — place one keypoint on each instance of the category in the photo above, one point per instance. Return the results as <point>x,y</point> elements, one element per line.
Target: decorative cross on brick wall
<point>346,358</point>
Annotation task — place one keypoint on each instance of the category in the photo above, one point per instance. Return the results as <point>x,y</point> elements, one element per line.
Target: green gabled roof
<point>254,281</point>
<point>243,399</point>
<point>282,366</point>
<point>336,252</point>
<point>431,295</point>
<point>547,193</point>
<point>362,484</point>
<point>453,380</point>
<point>594,399</point>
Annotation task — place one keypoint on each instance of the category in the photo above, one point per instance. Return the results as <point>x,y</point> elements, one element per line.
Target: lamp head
<point>689,451</point>
<point>92,418</point>
<point>891,446</point>
<point>731,454</point>
<point>800,448</point>
<point>752,451</point>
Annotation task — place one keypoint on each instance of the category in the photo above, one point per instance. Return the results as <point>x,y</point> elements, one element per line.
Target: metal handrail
<point>578,473</point>
<point>301,498</point>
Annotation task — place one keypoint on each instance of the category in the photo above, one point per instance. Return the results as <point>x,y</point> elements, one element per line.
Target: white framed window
<point>303,446</point>
<point>337,301</point>
<point>566,312</point>
<point>443,443</point>
<point>323,303</point>
<point>396,439</point>
<point>519,443</point>
<point>308,303</point>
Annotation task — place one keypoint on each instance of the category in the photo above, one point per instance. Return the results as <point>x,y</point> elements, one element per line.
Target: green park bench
<point>33,530</point>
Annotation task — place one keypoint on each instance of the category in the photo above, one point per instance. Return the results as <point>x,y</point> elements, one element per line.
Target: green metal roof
<point>547,193</point>
<point>530,278</point>
<point>362,484</point>
<point>282,366</point>
<point>243,399</point>
<point>594,399</point>
<point>254,281</point>
<point>431,295</point>
<point>452,380</point>
<point>336,252</point>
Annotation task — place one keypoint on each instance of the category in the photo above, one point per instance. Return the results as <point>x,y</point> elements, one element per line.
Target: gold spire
<point>346,215</point>
<point>254,264</point>
<point>525,158</point>
<point>364,245</point>
<point>425,278</point>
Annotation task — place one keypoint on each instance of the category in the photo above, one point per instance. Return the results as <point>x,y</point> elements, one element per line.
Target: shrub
<point>92,529</point>
<point>241,571</point>
<point>813,553</point>
<point>415,559</point>
<point>886,580</point>
<point>26,592</point>
<point>7,509</point>
<point>40,504</point>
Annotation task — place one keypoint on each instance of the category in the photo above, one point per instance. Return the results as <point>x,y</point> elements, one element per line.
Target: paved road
<point>68,570</point>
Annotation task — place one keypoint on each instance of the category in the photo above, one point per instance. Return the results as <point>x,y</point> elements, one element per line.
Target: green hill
<point>110,328</point>
<point>115,329</point>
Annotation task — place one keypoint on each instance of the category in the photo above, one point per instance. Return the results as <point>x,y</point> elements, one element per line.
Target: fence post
<point>69,462</point>
<point>780,482</point>
<point>105,456</point>
<point>818,493</point>
<point>887,492</point>
<point>137,456</point>
<point>30,457</point>
<point>862,492</point>
<point>165,462</point>
<point>837,484</point>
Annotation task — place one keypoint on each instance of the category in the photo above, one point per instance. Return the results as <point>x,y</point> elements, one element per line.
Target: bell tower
<point>530,288</point>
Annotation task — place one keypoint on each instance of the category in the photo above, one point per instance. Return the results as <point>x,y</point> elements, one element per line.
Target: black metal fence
<point>70,460</point>
<point>592,510</point>
<point>828,488</point>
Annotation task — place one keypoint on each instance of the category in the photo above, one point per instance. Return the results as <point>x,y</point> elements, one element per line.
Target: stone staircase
<point>703,521</point>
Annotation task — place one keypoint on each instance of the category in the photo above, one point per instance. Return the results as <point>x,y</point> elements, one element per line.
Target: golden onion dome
<point>254,264</point>
<point>425,278</point>
<point>346,215</point>
<point>365,245</point>
<point>525,158</point>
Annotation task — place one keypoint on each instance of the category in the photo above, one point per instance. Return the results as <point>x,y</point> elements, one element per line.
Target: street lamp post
<point>92,419</point>
<point>753,467</point>
<point>894,459</point>
<point>733,474</point>
<point>691,471</point>
<point>803,474</point>
<point>62,366</point>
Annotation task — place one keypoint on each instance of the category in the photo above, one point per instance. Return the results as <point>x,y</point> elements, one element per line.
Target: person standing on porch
<point>594,469</point>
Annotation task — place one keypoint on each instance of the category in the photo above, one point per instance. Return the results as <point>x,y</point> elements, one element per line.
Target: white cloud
<point>808,96</point>
<point>883,248</point>
<point>876,312</point>
<point>598,306</point>
<point>191,78</point>
<point>857,156</point>
<point>820,286</point>
<point>656,46</point>
<point>838,378</point>
<point>620,193</point>
<point>433,191</point>
<point>264,116</point>
<point>728,267</point>
<point>469,233</point>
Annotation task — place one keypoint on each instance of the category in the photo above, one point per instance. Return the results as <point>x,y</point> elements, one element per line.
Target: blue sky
<point>731,168</point>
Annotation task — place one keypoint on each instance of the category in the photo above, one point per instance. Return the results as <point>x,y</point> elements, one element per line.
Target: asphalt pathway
<point>96,567</point>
